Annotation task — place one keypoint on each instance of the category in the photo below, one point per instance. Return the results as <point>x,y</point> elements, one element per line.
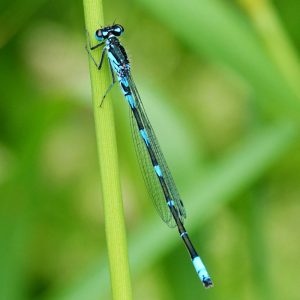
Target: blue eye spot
<point>99,36</point>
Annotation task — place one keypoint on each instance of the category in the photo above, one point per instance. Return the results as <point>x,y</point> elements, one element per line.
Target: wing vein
<point>150,177</point>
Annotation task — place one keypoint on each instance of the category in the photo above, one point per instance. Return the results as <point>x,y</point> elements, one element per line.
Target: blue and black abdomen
<point>156,173</point>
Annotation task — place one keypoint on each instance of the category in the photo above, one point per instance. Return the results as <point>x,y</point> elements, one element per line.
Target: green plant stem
<point>108,159</point>
<point>276,40</point>
<point>255,216</point>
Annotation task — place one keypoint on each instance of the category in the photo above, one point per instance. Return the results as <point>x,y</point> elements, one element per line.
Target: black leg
<point>89,42</point>
<point>111,85</point>
<point>93,59</point>
<point>90,48</point>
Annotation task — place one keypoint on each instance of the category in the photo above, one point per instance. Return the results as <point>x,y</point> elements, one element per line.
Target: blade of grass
<point>20,206</point>
<point>216,30</point>
<point>234,173</point>
<point>108,159</point>
<point>14,234</point>
<point>254,216</point>
<point>276,40</point>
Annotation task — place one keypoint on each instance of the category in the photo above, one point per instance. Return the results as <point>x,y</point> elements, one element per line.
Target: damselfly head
<point>104,33</point>
<point>117,29</point>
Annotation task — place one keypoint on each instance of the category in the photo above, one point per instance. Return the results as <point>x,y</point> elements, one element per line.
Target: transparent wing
<point>150,177</point>
<point>149,174</point>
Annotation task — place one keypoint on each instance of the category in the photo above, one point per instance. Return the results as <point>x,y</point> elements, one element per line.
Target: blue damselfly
<point>157,175</point>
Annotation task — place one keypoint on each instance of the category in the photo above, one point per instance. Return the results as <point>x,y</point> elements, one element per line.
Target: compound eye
<point>99,35</point>
<point>118,29</point>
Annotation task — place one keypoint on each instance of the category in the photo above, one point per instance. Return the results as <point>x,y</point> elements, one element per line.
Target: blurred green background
<point>220,83</point>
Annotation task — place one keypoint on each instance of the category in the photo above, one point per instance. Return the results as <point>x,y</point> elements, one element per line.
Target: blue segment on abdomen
<point>130,100</point>
<point>126,91</point>
<point>158,170</point>
<point>200,268</point>
<point>145,136</point>
<point>171,203</point>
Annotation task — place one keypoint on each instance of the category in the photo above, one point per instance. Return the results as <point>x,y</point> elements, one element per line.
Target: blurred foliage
<point>227,118</point>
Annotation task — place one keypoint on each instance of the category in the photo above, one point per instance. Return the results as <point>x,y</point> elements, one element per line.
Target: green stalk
<point>108,160</point>
<point>255,213</point>
<point>276,40</point>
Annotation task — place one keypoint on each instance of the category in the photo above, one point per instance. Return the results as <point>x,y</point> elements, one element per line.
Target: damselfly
<point>157,175</point>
